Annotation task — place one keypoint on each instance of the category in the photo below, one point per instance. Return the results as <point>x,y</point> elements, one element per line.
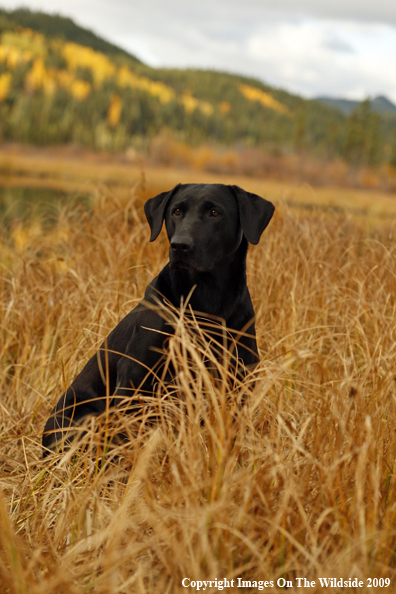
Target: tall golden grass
<point>289,474</point>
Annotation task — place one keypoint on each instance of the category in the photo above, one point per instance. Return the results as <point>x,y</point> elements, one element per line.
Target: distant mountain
<point>61,83</point>
<point>57,27</point>
<point>380,104</point>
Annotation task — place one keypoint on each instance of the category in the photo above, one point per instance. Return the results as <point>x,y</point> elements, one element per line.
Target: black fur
<point>209,227</point>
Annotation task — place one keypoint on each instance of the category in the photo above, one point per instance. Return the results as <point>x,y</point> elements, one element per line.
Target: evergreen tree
<point>363,140</point>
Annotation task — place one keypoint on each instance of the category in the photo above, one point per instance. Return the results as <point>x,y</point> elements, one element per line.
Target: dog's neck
<point>201,288</point>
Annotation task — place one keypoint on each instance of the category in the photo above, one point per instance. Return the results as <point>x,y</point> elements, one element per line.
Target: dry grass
<point>297,482</point>
<point>77,170</point>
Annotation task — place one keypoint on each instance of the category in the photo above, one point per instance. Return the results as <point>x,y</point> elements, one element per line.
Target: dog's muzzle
<point>181,251</point>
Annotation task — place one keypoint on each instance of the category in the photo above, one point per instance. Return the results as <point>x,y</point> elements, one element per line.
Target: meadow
<point>290,474</point>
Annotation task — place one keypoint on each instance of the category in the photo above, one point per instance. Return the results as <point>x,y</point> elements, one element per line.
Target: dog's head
<point>207,222</point>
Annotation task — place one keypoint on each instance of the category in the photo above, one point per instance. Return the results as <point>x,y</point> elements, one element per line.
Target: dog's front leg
<point>140,367</point>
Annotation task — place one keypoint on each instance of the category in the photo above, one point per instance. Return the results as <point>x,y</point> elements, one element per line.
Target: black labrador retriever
<point>209,227</point>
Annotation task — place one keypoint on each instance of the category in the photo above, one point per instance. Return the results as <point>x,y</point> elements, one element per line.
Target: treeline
<point>60,83</point>
<point>58,27</point>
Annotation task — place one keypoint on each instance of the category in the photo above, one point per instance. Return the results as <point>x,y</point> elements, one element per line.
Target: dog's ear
<point>154,209</point>
<point>254,212</point>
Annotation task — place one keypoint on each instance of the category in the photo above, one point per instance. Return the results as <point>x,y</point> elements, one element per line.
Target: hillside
<point>60,83</point>
<point>379,104</point>
<point>58,27</point>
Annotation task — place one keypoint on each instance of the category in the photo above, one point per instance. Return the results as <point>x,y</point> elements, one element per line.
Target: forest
<point>61,84</point>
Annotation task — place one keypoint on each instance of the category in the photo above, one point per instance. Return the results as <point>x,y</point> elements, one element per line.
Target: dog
<point>209,227</point>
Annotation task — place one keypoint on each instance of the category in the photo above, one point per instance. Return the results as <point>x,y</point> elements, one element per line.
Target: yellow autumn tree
<point>78,56</point>
<point>266,100</point>
<point>5,84</point>
<point>114,111</point>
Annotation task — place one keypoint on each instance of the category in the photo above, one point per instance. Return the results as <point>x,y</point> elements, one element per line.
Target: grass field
<point>83,172</point>
<point>299,482</point>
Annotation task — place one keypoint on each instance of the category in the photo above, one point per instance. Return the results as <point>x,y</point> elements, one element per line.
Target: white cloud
<point>334,47</point>
<point>301,55</point>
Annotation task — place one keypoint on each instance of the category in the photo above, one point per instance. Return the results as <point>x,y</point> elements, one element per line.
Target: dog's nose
<point>181,243</point>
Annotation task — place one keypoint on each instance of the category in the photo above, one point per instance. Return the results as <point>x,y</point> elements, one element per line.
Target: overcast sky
<point>341,48</point>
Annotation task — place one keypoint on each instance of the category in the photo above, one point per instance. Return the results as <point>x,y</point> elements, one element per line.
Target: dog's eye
<point>177,212</point>
<point>214,212</point>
